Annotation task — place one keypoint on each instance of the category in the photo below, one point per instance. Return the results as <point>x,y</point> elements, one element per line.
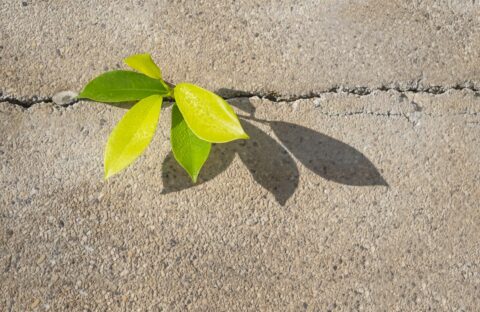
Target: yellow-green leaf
<point>209,116</point>
<point>189,151</point>
<point>122,86</point>
<point>144,64</point>
<point>132,134</point>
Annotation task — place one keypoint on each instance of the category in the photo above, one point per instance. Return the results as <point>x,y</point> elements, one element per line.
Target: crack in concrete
<point>392,114</point>
<point>27,102</point>
<point>412,117</point>
<point>356,91</point>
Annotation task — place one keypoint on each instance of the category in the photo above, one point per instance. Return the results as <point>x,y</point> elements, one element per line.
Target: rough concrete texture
<point>399,232</point>
<point>308,46</point>
<point>339,202</point>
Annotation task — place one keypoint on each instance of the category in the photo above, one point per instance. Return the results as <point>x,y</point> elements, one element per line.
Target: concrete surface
<point>309,46</point>
<point>397,233</point>
<point>362,195</point>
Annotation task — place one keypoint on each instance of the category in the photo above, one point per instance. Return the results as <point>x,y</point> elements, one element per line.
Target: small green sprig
<point>199,117</point>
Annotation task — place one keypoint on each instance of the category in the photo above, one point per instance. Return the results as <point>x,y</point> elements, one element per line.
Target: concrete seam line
<point>357,91</point>
<point>27,102</point>
<point>392,114</point>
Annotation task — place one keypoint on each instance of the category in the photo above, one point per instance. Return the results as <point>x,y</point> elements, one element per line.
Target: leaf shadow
<point>233,93</point>
<point>327,157</point>
<point>128,105</point>
<point>269,163</point>
<point>176,179</point>
<point>122,105</point>
<point>238,99</point>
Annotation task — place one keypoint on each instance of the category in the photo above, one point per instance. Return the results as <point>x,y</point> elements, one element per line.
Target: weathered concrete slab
<point>342,240</point>
<point>309,46</point>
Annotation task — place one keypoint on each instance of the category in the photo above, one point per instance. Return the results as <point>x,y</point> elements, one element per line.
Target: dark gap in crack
<point>26,103</point>
<point>358,91</point>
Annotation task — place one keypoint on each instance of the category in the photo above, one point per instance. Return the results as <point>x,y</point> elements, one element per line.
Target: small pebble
<point>41,259</point>
<point>64,97</point>
<point>35,303</point>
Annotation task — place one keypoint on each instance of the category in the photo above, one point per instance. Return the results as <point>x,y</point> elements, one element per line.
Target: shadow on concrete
<point>176,179</point>
<point>327,157</point>
<point>273,167</point>
<point>269,163</point>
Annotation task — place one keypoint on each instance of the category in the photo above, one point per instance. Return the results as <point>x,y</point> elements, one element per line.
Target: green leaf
<point>209,116</point>
<point>189,151</point>
<point>132,134</point>
<point>122,86</point>
<point>144,64</point>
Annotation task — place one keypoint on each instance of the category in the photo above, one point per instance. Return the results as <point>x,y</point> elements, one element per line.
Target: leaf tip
<point>143,62</point>
<point>107,175</point>
<point>81,95</point>
<point>108,169</point>
<point>243,135</point>
<point>194,178</point>
<point>128,60</point>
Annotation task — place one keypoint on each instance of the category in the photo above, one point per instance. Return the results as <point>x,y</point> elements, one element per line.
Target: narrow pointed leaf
<point>122,86</point>
<point>189,151</point>
<point>144,64</point>
<point>132,134</point>
<point>175,178</point>
<point>209,116</point>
